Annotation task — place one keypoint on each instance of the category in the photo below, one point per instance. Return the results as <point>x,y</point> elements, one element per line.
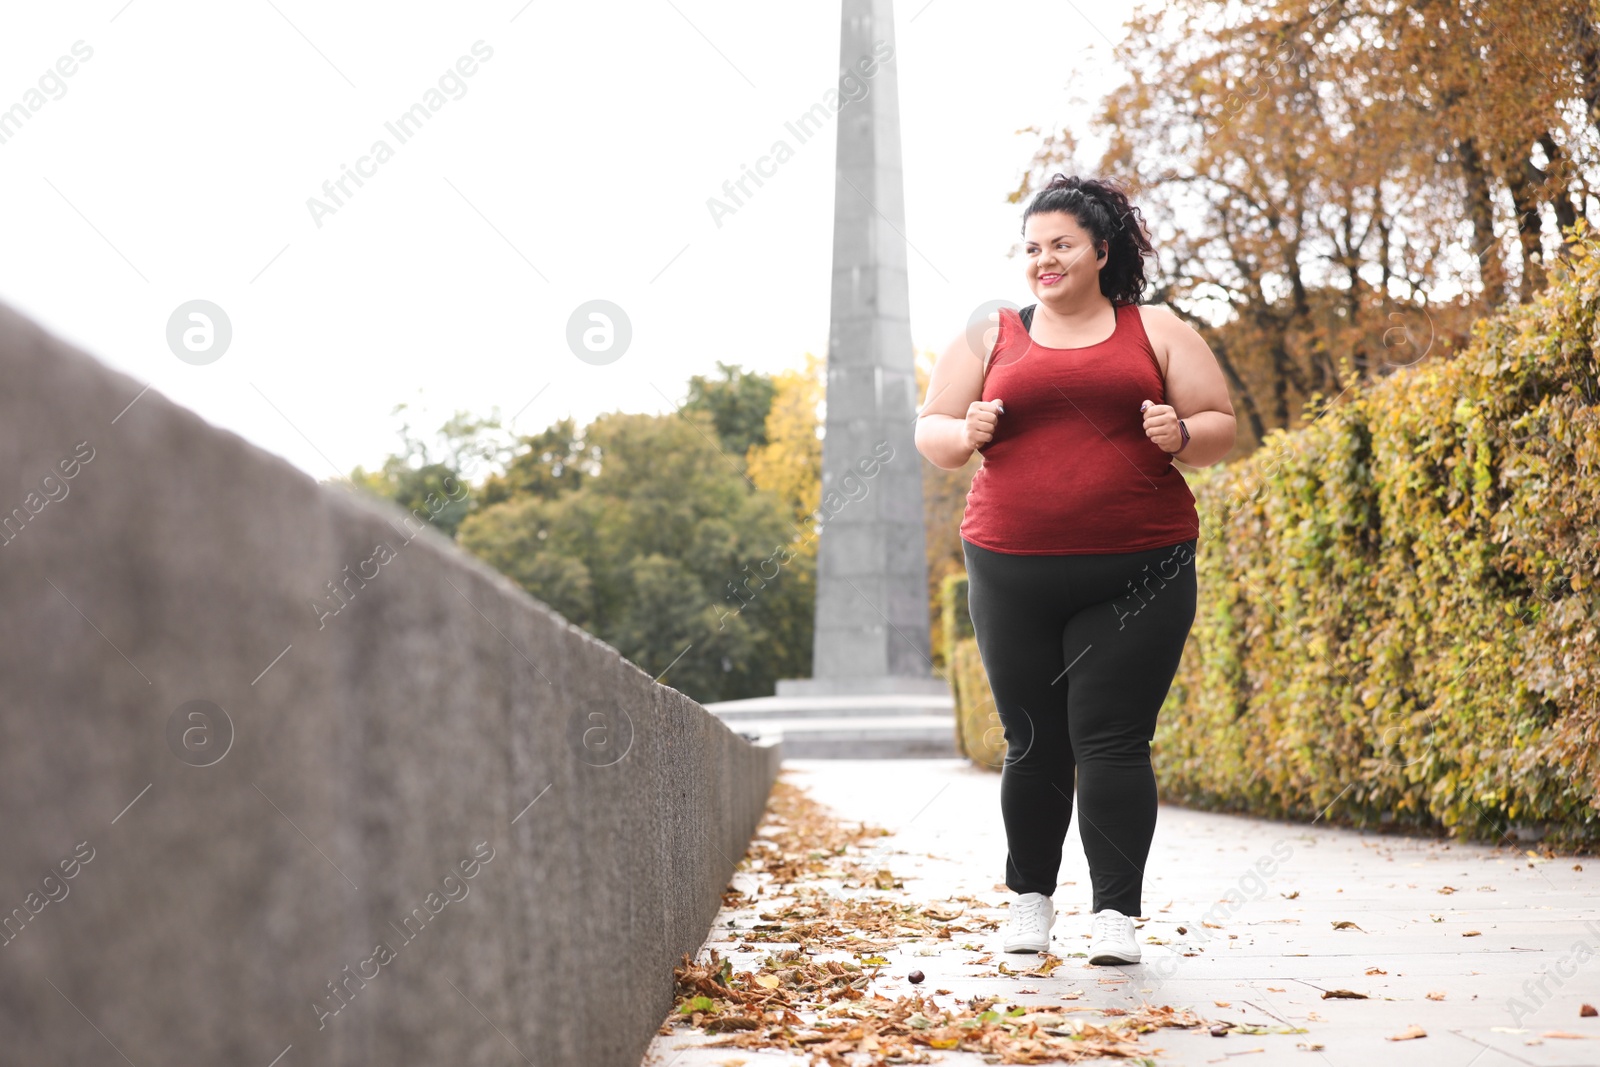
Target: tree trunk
<point>1525,198</point>
<point>1240,391</point>
<point>1589,62</point>
<point>1559,192</point>
<point>1247,400</point>
<point>1480,209</point>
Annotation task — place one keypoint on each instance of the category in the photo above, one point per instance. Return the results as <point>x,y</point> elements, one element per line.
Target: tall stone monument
<point>873,692</point>
<point>872,574</point>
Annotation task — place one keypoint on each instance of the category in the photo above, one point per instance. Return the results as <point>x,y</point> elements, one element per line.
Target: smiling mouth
<point>1049,279</point>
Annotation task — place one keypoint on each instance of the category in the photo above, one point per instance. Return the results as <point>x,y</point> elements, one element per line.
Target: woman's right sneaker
<point>1028,926</point>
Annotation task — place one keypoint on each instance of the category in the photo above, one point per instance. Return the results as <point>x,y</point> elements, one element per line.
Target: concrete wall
<point>169,906</point>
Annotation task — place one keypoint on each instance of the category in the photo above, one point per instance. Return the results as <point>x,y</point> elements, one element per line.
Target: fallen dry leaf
<point>1587,1011</point>
<point>1222,1003</point>
<point>1346,924</point>
<point>1376,970</point>
<point>1471,933</point>
<point>1436,996</point>
<point>1410,1033</point>
<point>1048,964</point>
<point>1566,1035</point>
<point>1342,994</point>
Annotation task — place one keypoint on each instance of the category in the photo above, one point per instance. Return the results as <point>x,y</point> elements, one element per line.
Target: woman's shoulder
<point>1157,317</point>
<point>1159,322</point>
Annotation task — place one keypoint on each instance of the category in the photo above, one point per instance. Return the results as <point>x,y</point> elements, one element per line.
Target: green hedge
<point>1397,620</point>
<point>979,735</point>
<point>1397,611</point>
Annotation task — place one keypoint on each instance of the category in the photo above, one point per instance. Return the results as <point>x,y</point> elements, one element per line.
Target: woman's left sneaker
<point>1112,938</point>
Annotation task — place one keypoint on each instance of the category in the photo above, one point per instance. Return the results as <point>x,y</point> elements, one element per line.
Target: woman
<point>1079,537</point>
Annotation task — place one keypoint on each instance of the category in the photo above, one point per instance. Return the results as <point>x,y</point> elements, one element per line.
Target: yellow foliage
<point>790,463</point>
<point>1394,600</point>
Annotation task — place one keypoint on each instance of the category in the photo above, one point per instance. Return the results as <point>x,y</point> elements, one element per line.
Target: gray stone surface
<point>825,689</point>
<point>872,599</point>
<point>439,712</point>
<point>869,726</point>
<point>856,737</point>
<point>757,709</point>
<point>1273,949</point>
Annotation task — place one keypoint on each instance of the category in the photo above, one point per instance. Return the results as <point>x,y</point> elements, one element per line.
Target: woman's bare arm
<point>953,420</point>
<point>1197,393</point>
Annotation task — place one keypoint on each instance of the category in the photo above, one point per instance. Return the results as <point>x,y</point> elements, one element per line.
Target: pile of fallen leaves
<point>800,839</point>
<point>816,918</point>
<point>761,1010</point>
<point>825,1008</point>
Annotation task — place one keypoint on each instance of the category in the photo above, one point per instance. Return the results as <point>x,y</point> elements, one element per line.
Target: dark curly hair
<point>1101,207</point>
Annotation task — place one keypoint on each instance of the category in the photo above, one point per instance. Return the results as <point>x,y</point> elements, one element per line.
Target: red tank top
<point>1069,469</point>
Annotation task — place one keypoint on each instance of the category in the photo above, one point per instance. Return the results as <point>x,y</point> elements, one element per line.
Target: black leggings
<point>1080,651</point>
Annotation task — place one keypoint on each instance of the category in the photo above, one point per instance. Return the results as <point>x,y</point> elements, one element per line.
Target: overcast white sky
<point>176,161</point>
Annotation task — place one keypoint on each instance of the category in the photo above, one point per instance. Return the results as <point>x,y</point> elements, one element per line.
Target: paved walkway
<point>1485,949</point>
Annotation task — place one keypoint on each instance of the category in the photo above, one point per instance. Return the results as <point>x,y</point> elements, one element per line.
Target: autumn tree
<point>737,402</point>
<point>651,541</point>
<point>1337,190</point>
<point>441,471</point>
<point>545,464</point>
<point>788,461</point>
<point>788,466</point>
<point>647,530</point>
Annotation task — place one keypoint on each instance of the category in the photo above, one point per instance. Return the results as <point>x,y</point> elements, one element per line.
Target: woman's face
<point>1062,266</point>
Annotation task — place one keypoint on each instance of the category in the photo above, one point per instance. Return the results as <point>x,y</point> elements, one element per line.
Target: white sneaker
<point>1028,926</point>
<point>1111,940</point>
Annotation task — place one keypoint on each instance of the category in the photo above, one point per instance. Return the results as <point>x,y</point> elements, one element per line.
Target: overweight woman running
<point>1079,537</point>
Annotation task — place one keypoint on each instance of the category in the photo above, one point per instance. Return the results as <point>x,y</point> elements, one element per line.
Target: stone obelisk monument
<point>873,692</point>
<point>872,573</point>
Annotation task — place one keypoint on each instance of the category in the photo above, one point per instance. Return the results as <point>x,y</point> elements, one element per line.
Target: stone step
<point>900,736</point>
<point>877,685</point>
<point>758,709</point>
